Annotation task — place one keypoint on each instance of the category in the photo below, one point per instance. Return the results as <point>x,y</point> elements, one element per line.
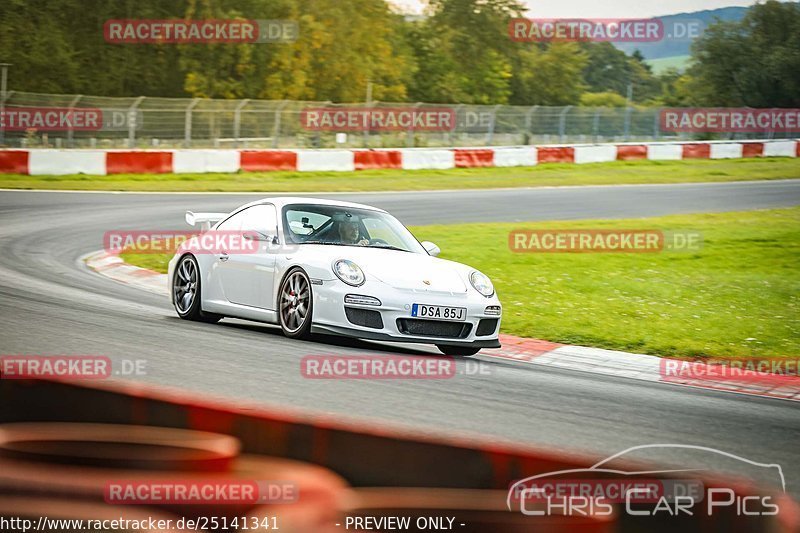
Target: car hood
<point>402,270</point>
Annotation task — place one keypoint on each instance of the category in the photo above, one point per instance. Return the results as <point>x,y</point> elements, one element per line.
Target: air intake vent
<point>364,317</point>
<point>486,327</point>
<point>433,328</point>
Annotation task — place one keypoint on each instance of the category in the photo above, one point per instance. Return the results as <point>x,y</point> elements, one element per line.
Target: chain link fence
<point>150,122</point>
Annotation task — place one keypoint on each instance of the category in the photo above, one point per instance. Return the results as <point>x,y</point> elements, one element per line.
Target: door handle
<point>223,257</point>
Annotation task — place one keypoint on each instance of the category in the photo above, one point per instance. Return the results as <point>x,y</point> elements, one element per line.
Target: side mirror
<point>431,248</point>
<point>252,235</point>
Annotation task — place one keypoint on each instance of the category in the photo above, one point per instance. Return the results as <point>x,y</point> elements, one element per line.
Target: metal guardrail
<point>150,122</point>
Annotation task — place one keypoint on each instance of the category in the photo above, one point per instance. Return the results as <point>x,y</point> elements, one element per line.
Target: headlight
<point>481,283</point>
<point>348,272</point>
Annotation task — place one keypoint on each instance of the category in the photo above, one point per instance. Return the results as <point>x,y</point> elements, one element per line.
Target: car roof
<point>280,201</point>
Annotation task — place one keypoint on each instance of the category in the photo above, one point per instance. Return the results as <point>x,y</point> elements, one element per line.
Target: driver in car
<point>349,233</point>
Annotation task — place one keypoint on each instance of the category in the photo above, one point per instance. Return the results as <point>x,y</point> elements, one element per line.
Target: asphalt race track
<point>52,304</point>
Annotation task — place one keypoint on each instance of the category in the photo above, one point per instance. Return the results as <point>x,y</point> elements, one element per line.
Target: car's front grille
<point>433,328</point>
<point>486,327</point>
<point>364,317</point>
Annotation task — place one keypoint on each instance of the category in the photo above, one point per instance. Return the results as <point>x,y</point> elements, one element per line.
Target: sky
<point>602,8</point>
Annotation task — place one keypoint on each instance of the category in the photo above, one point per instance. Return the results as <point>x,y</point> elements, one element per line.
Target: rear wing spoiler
<point>204,220</point>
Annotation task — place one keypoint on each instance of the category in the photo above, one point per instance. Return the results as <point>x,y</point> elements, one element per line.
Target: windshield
<point>346,226</point>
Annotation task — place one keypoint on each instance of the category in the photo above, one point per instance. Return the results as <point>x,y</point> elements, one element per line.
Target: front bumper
<point>363,333</point>
<point>395,309</point>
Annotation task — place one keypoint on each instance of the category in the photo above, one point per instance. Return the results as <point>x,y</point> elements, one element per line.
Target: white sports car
<point>322,266</point>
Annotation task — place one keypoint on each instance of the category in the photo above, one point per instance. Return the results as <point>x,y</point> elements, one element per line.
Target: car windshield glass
<point>346,226</point>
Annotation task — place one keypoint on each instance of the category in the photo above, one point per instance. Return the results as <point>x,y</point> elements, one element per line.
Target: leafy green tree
<point>464,52</point>
<point>222,70</point>
<point>549,75</point>
<point>439,77</point>
<point>754,62</point>
<point>607,69</point>
<point>59,47</point>
<point>33,42</point>
<point>604,99</point>
<point>460,52</point>
<point>342,47</point>
<point>610,69</point>
<point>677,90</point>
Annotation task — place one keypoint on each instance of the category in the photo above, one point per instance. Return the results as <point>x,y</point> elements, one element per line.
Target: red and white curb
<point>112,266</point>
<point>641,367</point>
<point>44,161</point>
<point>531,351</point>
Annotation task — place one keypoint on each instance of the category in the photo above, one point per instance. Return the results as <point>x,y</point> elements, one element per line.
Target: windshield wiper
<point>388,247</point>
<point>381,246</point>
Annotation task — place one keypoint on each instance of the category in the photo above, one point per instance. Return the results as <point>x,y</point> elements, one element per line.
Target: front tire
<point>186,295</point>
<point>295,304</point>
<point>461,351</point>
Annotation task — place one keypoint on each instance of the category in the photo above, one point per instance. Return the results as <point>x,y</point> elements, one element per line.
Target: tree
<point>342,46</point>
<point>604,99</point>
<point>611,70</point>
<point>439,77</point>
<point>222,70</point>
<point>549,75</point>
<point>59,47</point>
<point>460,52</point>
<point>464,52</point>
<point>754,62</point>
<point>677,90</point>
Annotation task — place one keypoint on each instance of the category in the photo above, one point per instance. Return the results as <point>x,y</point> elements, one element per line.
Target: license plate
<point>439,312</point>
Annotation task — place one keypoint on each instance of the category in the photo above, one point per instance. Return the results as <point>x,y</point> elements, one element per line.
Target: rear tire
<point>461,351</point>
<point>186,295</point>
<point>295,304</point>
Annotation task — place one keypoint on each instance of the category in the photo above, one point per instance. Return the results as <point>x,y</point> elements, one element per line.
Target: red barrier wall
<point>696,151</point>
<point>631,153</point>
<point>752,149</point>
<point>474,158</point>
<point>564,154</point>
<point>13,161</point>
<point>366,159</point>
<point>257,160</point>
<point>138,162</point>
<point>145,161</point>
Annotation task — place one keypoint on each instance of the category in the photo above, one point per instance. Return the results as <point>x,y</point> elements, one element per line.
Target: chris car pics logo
<point>597,490</point>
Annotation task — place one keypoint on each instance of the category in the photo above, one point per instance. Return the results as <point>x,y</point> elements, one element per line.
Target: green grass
<point>735,297</point>
<point>157,262</point>
<point>620,172</point>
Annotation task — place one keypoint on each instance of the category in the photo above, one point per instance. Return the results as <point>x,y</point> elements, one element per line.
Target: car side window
<point>261,218</point>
